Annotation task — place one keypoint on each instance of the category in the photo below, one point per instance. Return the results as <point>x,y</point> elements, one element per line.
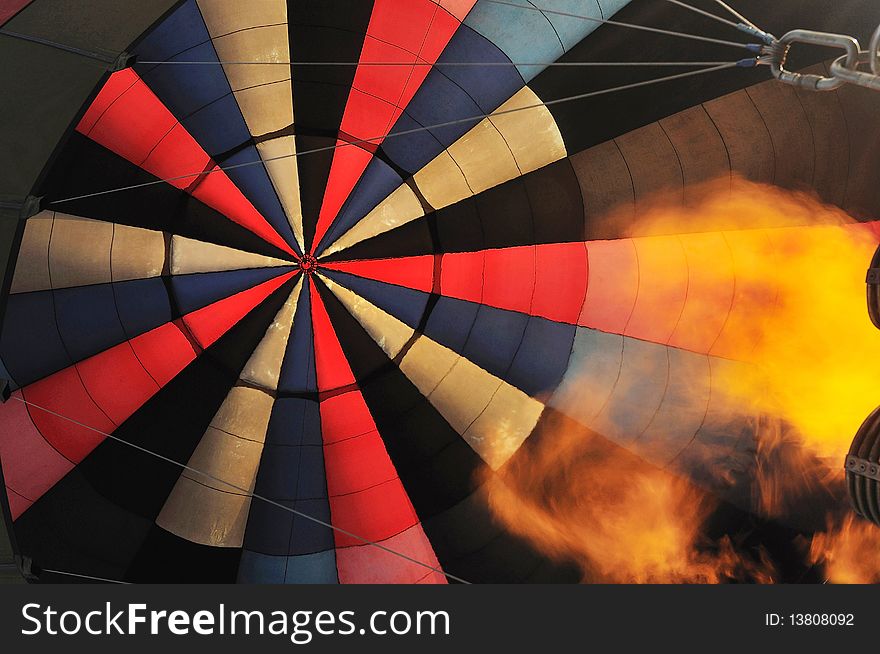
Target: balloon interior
<point>450,291</point>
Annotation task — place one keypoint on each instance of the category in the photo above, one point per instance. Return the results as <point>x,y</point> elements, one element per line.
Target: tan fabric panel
<point>264,366</point>
<point>267,45</point>
<point>191,256</point>
<point>32,266</point>
<point>223,16</point>
<point>137,253</point>
<point>399,208</point>
<point>530,131</point>
<point>79,251</point>
<point>266,108</point>
<point>504,425</point>
<point>279,157</point>
<point>211,512</point>
<point>481,157</point>
<point>442,182</point>
<point>498,149</point>
<point>745,135</point>
<point>789,133</point>
<point>427,363</point>
<point>493,417</point>
<point>204,515</point>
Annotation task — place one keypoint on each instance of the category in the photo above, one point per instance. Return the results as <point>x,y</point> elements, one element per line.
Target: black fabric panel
<point>167,558</point>
<point>95,520</point>
<point>330,30</point>
<point>86,167</point>
<point>588,122</point>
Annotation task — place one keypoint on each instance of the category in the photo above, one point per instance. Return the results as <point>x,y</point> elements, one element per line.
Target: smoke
<point>799,323</point>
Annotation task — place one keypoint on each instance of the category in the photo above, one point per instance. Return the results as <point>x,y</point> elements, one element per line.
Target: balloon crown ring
<point>308,264</point>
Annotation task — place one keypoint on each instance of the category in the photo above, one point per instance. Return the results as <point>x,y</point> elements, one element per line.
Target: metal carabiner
<point>809,81</point>
<point>866,72</point>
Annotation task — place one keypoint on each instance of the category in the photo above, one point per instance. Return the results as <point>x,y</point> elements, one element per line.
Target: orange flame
<point>849,552</point>
<point>815,377</point>
<point>620,520</point>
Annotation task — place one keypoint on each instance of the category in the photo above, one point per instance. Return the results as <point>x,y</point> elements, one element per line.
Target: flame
<point>813,378</point>
<point>809,334</point>
<point>620,520</point>
<point>849,552</point>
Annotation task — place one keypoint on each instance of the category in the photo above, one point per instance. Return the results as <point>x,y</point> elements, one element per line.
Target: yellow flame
<point>816,376</point>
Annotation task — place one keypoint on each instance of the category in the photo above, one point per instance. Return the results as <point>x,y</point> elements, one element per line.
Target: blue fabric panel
<point>268,528</point>
<point>318,568</point>
<point>404,304</point>
<point>452,94</point>
<point>257,568</point>
<point>438,101</point>
<point>376,184</point>
<point>308,535</point>
<point>30,345</point>
<point>198,290</point>
<point>451,321</point>
<point>256,185</point>
<point>298,370</point>
<point>216,127</point>
<point>494,339</point>
<point>143,304</point>
<point>542,357</point>
<point>294,421</point>
<point>489,87</point>
<point>185,89</point>
<point>411,151</point>
<point>292,472</point>
<point>87,319</point>
<point>181,30</point>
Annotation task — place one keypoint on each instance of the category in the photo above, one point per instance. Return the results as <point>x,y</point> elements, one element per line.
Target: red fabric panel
<point>375,513</point>
<point>8,8</point>
<point>30,464</point>
<point>117,382</point>
<point>211,322</point>
<point>614,283</point>
<point>399,32</point>
<point>560,281</point>
<point>354,454</point>
<point>461,276</point>
<point>330,362</point>
<point>17,503</point>
<point>509,278</point>
<point>412,272</point>
<point>344,416</point>
<point>163,352</point>
<point>63,393</point>
<point>366,564</point>
<point>663,284</point>
<point>127,118</point>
